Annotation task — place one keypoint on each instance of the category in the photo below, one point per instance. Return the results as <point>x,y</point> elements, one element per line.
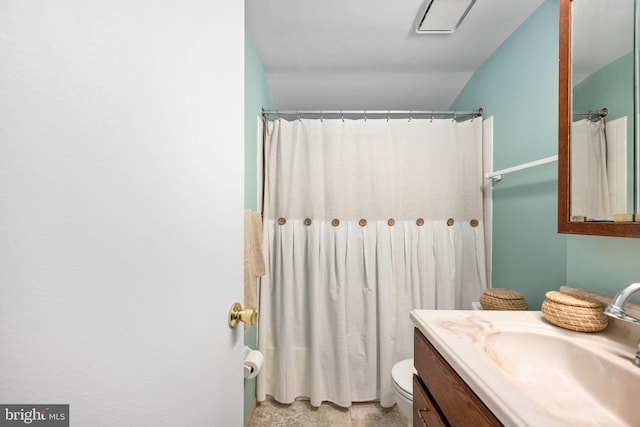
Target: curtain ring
<point>342,116</point>
<point>388,114</point>
<point>299,119</point>
<point>454,116</point>
<point>431,117</point>
<point>321,118</point>
<point>365,116</point>
<point>410,113</point>
<point>278,115</point>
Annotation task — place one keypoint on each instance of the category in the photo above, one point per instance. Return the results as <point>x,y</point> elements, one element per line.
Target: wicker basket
<point>577,313</point>
<point>502,299</point>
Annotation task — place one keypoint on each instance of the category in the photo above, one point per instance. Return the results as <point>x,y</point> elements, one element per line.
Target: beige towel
<point>253,258</point>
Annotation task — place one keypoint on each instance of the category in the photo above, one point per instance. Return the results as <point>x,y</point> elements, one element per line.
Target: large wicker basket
<point>502,299</point>
<point>577,313</point>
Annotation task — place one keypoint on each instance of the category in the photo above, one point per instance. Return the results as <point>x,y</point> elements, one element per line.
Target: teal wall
<point>257,96</point>
<point>611,86</point>
<point>518,86</point>
<point>603,264</point>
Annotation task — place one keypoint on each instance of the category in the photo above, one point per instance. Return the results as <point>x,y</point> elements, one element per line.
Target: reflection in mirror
<point>619,96</point>
<point>590,171</point>
<point>602,80</point>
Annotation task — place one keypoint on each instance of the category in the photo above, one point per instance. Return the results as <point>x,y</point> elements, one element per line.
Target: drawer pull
<point>429,418</point>
<point>420,411</point>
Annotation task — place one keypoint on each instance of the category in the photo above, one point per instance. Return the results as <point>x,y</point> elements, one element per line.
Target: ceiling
<point>594,45</point>
<point>365,54</point>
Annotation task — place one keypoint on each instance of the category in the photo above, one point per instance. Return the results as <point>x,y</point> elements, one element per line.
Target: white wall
<point>121,208</point>
<point>616,134</point>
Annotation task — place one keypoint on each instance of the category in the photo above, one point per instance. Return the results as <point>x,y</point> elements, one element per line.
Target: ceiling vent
<point>442,16</point>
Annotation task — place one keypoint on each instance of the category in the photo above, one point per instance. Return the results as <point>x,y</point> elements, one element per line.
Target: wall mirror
<point>598,98</point>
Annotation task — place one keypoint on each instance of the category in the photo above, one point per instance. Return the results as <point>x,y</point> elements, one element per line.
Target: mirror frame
<point>618,229</point>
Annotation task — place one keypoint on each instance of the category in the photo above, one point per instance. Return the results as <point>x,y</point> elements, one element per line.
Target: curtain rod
<point>497,175</point>
<point>365,113</point>
<point>600,113</point>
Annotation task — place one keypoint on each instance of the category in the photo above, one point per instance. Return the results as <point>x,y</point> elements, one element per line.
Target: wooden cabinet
<point>425,411</point>
<point>440,396</point>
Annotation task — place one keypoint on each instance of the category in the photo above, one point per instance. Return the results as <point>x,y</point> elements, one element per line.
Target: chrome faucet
<point>616,310</point>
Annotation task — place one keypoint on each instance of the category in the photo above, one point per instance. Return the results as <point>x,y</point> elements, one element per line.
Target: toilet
<point>402,379</point>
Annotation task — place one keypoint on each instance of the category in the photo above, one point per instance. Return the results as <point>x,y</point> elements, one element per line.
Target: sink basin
<point>530,373</point>
<point>577,380</point>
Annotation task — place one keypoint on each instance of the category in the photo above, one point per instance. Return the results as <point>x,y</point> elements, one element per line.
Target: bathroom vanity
<point>440,396</point>
<point>513,368</point>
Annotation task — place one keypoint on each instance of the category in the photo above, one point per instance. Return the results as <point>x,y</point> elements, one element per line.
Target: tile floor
<point>300,413</point>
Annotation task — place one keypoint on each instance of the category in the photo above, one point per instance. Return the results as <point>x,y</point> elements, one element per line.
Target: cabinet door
<point>453,397</point>
<point>425,412</point>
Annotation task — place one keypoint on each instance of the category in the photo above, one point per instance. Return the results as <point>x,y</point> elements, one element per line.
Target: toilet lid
<point>402,374</point>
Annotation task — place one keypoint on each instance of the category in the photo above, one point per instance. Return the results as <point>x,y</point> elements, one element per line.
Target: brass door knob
<point>237,315</point>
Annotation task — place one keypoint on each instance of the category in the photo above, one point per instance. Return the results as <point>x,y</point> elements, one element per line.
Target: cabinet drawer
<point>457,402</point>
<point>425,411</point>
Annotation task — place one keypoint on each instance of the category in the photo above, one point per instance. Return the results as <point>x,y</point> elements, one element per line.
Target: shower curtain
<point>364,220</point>
<point>589,182</point>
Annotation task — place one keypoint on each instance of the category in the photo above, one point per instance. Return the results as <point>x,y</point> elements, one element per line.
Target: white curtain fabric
<point>364,221</point>
<point>589,183</point>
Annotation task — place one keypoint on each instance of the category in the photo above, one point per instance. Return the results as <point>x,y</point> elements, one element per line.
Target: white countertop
<point>459,336</point>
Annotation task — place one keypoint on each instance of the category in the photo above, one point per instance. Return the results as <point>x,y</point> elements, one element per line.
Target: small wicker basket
<point>577,313</point>
<point>502,299</point>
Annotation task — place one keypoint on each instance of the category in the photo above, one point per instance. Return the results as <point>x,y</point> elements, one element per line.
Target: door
<point>121,186</point>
